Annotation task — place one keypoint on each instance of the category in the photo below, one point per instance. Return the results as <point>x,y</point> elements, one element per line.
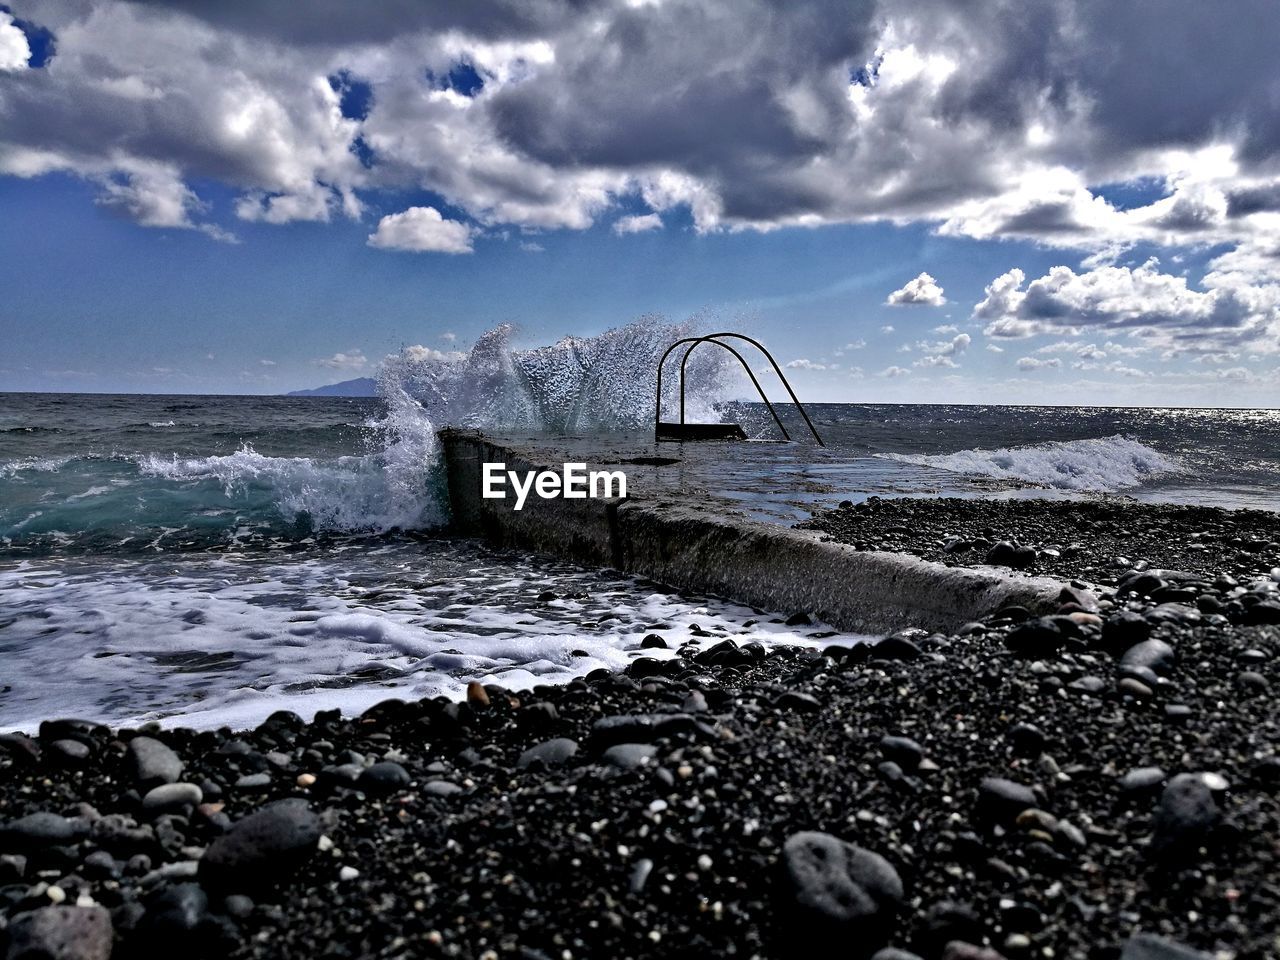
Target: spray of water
<point>578,385</point>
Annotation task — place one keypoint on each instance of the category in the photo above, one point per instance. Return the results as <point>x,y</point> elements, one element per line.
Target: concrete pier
<point>688,537</point>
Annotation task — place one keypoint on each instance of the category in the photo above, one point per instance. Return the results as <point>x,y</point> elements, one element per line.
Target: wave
<point>594,384</point>
<point>1100,465</point>
<point>381,477</point>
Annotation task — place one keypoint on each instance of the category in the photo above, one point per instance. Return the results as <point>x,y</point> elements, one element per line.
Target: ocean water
<point>207,560</point>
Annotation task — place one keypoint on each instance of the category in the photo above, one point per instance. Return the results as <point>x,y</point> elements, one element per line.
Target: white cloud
<point>449,337</point>
<point>266,363</point>
<point>894,372</point>
<point>637,224</point>
<point>1035,363</point>
<point>961,118</point>
<point>940,353</point>
<point>351,360</point>
<point>418,353</point>
<point>922,291</point>
<point>802,363</point>
<point>421,230</point>
<point>14,49</point>
<point>1157,308</point>
<point>994,349</point>
<point>887,328</point>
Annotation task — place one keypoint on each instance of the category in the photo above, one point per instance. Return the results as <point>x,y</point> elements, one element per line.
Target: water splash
<point>578,385</point>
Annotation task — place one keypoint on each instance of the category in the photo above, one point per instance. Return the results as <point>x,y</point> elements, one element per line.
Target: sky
<point>1026,201</point>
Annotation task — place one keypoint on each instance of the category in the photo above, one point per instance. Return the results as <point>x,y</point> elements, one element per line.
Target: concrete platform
<point>676,528</point>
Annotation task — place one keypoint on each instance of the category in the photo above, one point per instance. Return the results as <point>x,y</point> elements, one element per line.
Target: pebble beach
<point>1099,782</point>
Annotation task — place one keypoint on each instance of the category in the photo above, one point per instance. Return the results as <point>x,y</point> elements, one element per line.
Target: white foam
<point>578,385</point>
<point>206,641</point>
<point>1100,464</point>
<point>388,489</point>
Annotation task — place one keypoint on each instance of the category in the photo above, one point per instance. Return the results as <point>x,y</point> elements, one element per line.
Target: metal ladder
<point>720,431</point>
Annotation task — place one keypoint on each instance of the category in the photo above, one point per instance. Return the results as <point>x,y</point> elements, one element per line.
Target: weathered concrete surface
<point>703,544</point>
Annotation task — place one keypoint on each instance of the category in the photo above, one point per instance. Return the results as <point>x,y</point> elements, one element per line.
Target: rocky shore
<point>1097,539</point>
<point>1102,782</point>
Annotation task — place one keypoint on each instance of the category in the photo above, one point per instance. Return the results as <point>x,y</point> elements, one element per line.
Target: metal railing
<point>694,342</point>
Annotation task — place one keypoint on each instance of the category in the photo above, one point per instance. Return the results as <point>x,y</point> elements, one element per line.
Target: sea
<point>207,560</point>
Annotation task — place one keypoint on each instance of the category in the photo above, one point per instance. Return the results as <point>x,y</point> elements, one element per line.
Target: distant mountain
<point>359,387</point>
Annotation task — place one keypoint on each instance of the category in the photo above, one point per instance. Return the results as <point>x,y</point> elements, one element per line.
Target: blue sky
<point>371,185</point>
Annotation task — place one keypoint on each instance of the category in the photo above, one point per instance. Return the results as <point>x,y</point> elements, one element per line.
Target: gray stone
<point>628,756</point>
<point>441,788</point>
<point>1000,800</point>
<point>552,753</point>
<point>1152,654</point>
<point>170,797</point>
<point>1147,946</point>
<point>1186,815</point>
<point>61,933</point>
<point>383,777</point>
<point>152,763</point>
<point>264,847</point>
<point>37,831</point>
<point>834,890</point>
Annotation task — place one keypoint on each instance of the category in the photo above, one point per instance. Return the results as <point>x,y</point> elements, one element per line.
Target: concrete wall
<point>708,548</point>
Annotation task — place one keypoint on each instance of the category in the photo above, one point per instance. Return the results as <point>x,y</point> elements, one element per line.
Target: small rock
<point>903,751</point>
<point>1184,818</point>
<point>152,763</point>
<point>835,891</point>
<point>441,788</point>
<point>36,831</point>
<point>1000,801</point>
<point>61,933</point>
<point>1141,782</point>
<point>1147,946</point>
<point>1155,655</point>
<point>895,648</point>
<point>383,777</point>
<point>263,847</point>
<point>553,753</point>
<point>1005,553</point>
<point>628,756</point>
<point>798,702</point>
<point>1027,739</point>
<point>69,753</point>
<point>175,914</point>
<point>170,797</point>
<point>1041,637</point>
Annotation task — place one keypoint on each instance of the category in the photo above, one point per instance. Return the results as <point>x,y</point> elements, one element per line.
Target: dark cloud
<point>342,22</point>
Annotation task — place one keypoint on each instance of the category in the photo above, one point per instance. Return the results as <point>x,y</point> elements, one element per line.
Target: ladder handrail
<point>754,382</point>
<point>712,338</point>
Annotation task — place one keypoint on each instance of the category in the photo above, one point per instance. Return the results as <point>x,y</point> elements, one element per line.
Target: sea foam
<point>1099,465</point>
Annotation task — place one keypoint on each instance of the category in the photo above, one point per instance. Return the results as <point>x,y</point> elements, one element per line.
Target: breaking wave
<point>392,482</point>
<point>1099,465</point>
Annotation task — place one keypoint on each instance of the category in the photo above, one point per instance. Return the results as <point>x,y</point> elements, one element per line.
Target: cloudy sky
<point>1034,200</point>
